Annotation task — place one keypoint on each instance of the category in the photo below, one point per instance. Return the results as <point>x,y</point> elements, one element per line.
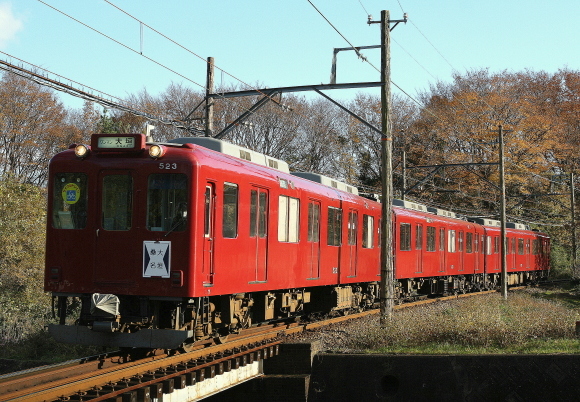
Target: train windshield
<point>69,201</point>
<point>117,202</point>
<point>167,202</point>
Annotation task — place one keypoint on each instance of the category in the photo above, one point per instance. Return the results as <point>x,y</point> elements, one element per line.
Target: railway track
<point>109,376</point>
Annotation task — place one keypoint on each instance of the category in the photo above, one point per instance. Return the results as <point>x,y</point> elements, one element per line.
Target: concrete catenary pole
<point>208,100</point>
<point>575,272</point>
<point>504,275</point>
<point>387,271</point>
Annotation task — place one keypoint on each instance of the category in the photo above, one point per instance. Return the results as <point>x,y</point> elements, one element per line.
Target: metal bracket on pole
<point>267,97</point>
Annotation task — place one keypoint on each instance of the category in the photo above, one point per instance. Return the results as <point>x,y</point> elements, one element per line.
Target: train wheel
<point>221,336</point>
<point>187,346</point>
<point>220,340</point>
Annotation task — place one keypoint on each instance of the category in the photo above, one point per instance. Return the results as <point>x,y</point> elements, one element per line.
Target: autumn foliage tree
<point>33,127</point>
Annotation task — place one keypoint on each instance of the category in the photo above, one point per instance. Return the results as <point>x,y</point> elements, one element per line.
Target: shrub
<point>480,322</point>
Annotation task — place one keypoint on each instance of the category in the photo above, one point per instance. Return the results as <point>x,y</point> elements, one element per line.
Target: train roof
<point>327,181</point>
<point>441,212</point>
<point>423,208</point>
<point>237,151</point>
<point>496,223</point>
<point>234,150</point>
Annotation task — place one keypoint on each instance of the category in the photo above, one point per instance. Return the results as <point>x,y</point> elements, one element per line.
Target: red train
<point>162,245</point>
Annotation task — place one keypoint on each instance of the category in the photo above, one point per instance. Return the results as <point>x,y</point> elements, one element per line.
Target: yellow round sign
<point>71,193</point>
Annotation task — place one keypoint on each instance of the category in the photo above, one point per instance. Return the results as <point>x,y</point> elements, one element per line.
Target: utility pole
<point>387,293</point>
<point>208,100</point>
<point>573,209</point>
<point>403,166</point>
<point>387,271</point>
<point>504,275</point>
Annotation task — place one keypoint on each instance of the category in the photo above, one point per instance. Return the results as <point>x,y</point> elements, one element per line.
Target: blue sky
<point>284,43</point>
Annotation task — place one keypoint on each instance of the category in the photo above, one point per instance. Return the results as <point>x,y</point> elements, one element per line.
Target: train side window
<point>431,238</point>
<point>419,237</point>
<point>253,213</point>
<point>488,248</point>
<point>288,219</point>
<point>314,222</point>
<point>441,239</point>
<point>230,212</point>
<point>535,247</point>
<point>207,212</point>
<point>334,225</point>
<point>117,202</point>
<point>352,228</point>
<point>258,213</point>
<point>460,242</point>
<point>263,212</point>
<point>69,201</point>
<point>528,246</point>
<point>469,243</point>
<point>167,202</point>
<point>513,245</point>
<point>405,236</point>
<point>521,246</point>
<point>451,244</point>
<point>496,245</point>
<point>368,230</point>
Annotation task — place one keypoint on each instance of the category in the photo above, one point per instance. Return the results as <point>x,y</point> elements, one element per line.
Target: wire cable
<point>122,44</point>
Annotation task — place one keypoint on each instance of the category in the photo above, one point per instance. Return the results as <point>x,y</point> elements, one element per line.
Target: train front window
<point>69,201</point>
<point>117,202</point>
<point>167,202</point>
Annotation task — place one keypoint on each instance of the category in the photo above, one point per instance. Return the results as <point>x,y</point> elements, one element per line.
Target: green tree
<point>111,125</point>
<point>22,234</point>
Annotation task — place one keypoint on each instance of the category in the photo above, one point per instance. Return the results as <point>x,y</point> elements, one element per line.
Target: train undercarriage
<point>172,323</point>
<point>416,288</point>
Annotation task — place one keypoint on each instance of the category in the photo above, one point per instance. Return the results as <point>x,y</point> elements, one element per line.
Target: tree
<point>23,305</point>
<point>32,128</point>
<point>459,124</point>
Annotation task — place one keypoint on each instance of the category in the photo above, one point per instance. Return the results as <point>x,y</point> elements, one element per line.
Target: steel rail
<point>107,382</point>
<point>113,375</point>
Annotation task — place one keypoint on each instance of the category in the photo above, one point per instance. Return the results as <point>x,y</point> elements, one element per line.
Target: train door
<point>528,254</point>
<point>442,254</point>
<point>208,233</point>
<point>461,250</point>
<point>313,242</point>
<point>419,248</point>
<point>352,242</point>
<point>471,249</point>
<point>259,231</point>
<point>116,250</point>
<point>513,253</point>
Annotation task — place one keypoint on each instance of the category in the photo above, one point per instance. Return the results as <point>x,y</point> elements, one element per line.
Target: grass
<point>532,322</point>
<point>23,336</point>
<point>40,346</point>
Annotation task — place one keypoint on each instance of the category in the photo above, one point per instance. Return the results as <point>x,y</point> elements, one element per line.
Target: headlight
<point>82,151</point>
<point>156,151</point>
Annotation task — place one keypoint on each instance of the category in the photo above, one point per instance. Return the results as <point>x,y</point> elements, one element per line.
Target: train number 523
<point>167,165</point>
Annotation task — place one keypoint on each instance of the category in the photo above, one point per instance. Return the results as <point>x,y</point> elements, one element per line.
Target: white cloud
<point>9,24</point>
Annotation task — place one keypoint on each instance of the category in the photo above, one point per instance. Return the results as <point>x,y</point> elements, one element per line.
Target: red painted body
<point>154,231</point>
<point>96,260</point>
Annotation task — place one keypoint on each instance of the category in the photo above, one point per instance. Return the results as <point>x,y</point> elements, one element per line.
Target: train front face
<point>118,240</point>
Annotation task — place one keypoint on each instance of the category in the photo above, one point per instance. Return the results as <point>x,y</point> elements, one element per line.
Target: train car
<point>435,252</point>
<point>163,245</point>
<point>527,253</point>
<point>166,244</point>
